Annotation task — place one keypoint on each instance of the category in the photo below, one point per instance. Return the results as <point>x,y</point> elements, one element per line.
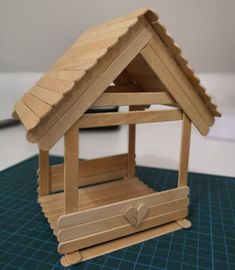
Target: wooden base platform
<point>93,196</point>
<point>110,223</point>
<point>101,249</point>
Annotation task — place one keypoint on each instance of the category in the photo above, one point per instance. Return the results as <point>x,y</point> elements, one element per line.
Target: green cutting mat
<point>28,243</point>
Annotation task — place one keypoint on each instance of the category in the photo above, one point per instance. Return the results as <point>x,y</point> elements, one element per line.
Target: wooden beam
<point>71,170</point>
<point>125,118</point>
<point>129,88</point>
<point>44,172</point>
<point>137,98</point>
<point>131,148</point>
<point>161,70</point>
<point>184,151</point>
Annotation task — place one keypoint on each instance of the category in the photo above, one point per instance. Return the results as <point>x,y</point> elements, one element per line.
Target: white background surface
<point>33,34</point>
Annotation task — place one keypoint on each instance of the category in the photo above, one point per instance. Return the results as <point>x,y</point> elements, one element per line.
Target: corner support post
<point>44,172</point>
<point>184,151</point>
<point>71,170</point>
<point>131,148</point>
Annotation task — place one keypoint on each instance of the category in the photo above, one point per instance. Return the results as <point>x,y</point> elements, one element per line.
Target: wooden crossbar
<point>125,118</point>
<point>128,88</point>
<point>137,98</point>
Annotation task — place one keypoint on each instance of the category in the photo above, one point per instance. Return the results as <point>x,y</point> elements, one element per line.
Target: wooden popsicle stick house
<point>97,206</point>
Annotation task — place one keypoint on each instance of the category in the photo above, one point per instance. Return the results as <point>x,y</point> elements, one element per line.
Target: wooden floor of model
<point>105,194</point>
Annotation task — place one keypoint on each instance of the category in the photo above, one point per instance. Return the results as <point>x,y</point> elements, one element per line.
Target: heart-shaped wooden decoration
<point>136,216</point>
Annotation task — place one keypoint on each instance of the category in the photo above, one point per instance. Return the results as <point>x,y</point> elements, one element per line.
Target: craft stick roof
<point>66,79</point>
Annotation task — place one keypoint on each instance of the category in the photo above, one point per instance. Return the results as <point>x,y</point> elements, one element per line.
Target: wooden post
<point>71,170</point>
<point>44,172</point>
<point>184,151</point>
<point>131,148</point>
